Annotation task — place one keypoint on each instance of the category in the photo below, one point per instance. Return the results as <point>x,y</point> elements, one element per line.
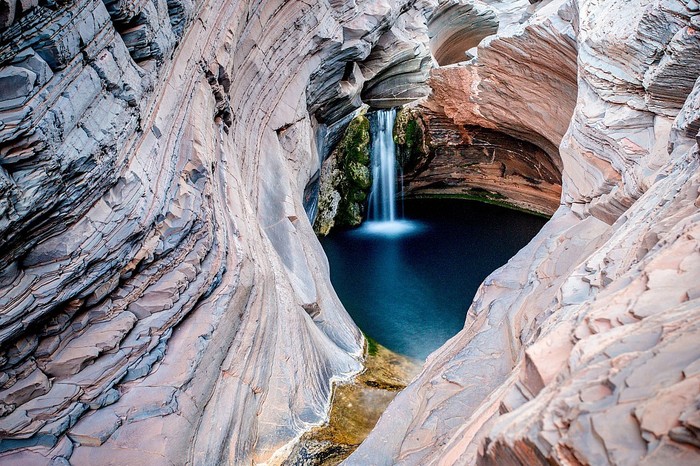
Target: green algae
<point>409,138</point>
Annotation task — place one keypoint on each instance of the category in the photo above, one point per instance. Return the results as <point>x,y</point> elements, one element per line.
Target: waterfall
<point>382,197</point>
<point>382,216</point>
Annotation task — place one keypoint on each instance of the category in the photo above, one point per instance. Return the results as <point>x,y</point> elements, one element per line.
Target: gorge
<point>164,298</point>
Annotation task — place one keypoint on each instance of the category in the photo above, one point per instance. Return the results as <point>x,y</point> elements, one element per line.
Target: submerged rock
<point>355,408</point>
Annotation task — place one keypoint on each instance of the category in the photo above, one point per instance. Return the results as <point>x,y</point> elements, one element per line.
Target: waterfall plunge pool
<point>408,274</point>
<point>408,284</point>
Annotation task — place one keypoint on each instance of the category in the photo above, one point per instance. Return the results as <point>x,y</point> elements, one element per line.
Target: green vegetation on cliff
<point>354,163</point>
<point>345,179</point>
<point>409,139</point>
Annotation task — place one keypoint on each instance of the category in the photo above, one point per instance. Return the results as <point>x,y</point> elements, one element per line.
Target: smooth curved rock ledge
<point>163,298</point>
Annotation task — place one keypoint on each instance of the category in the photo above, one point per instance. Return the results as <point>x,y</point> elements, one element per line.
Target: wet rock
<point>345,179</point>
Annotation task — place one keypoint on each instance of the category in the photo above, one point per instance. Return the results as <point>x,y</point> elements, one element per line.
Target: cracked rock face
<point>583,348</point>
<point>163,298</point>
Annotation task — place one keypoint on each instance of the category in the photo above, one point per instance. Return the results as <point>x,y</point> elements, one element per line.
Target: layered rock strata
<point>163,298</point>
<point>492,124</point>
<point>457,27</point>
<point>581,350</point>
<point>523,81</point>
<point>443,159</point>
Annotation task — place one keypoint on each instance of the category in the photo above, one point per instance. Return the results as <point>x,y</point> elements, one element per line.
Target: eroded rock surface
<point>163,297</point>
<point>497,114</point>
<point>442,158</point>
<point>582,349</point>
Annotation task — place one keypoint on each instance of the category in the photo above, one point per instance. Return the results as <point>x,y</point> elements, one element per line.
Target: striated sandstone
<point>523,82</point>
<point>581,350</point>
<point>163,298</point>
<point>457,27</point>
<point>472,161</point>
<point>493,124</point>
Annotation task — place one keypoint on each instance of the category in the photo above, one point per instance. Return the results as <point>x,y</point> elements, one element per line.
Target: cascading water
<point>382,197</point>
<point>382,217</point>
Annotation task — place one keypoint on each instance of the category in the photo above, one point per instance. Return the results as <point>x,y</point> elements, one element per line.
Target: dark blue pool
<point>409,286</point>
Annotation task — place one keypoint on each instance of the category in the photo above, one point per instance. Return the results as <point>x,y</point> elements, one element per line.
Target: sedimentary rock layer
<point>464,160</point>
<point>523,81</point>
<point>163,298</point>
<point>582,349</point>
<point>457,27</point>
<point>494,123</point>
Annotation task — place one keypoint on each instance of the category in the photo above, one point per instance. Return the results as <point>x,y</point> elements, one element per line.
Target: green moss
<point>409,139</point>
<point>355,143</point>
<point>349,213</point>
<point>355,179</point>
<point>357,196</point>
<point>372,345</point>
<point>359,175</point>
<point>413,135</point>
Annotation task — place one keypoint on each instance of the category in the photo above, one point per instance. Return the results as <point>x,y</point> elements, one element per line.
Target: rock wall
<point>345,179</point>
<point>457,27</point>
<point>163,298</point>
<point>497,113</point>
<point>469,161</point>
<point>582,349</point>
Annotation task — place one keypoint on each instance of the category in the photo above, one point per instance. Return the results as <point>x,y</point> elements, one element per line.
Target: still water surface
<point>409,284</point>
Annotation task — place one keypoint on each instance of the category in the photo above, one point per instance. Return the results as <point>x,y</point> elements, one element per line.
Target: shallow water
<point>409,284</point>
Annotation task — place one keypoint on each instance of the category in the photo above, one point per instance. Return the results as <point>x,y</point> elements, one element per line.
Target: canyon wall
<point>444,159</point>
<point>494,120</point>
<point>163,298</point>
<point>583,348</point>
